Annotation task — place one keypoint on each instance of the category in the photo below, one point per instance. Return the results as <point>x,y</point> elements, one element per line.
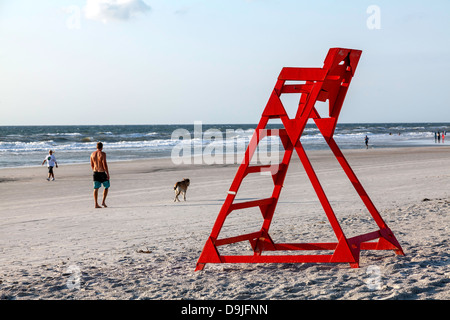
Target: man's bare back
<point>98,161</point>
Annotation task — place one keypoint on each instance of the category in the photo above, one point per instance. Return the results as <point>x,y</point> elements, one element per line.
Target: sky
<point>88,62</point>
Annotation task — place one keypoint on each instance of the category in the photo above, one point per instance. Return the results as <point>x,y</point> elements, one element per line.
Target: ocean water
<point>28,145</point>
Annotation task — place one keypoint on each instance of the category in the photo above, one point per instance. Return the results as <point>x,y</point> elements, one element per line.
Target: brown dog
<point>181,187</point>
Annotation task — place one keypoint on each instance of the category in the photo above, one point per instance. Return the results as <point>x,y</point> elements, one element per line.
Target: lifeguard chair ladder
<point>318,84</point>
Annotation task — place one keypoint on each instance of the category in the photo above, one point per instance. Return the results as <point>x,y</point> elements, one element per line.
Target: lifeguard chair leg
<point>385,232</point>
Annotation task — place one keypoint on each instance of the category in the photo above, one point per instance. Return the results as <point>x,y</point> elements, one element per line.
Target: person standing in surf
<point>101,173</point>
<point>51,162</point>
<point>366,140</point>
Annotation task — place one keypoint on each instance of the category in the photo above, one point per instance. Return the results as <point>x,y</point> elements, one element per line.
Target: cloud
<point>182,11</point>
<point>110,10</point>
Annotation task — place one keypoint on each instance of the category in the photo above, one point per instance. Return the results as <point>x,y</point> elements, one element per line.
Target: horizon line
<point>209,123</point>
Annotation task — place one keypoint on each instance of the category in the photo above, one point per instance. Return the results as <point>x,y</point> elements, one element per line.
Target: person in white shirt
<point>51,162</point>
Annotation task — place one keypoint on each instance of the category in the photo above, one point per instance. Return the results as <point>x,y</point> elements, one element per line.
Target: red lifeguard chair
<point>330,83</point>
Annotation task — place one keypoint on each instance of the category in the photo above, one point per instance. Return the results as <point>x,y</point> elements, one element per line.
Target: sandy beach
<point>55,245</point>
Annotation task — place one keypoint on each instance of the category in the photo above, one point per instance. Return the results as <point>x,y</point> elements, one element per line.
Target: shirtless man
<point>101,173</point>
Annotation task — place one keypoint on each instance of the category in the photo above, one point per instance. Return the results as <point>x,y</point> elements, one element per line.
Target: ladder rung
<point>296,88</point>
<point>244,237</point>
<point>254,169</point>
<point>249,204</point>
<point>302,74</point>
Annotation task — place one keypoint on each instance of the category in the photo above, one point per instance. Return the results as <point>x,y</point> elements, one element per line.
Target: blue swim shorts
<point>98,184</point>
<point>99,179</point>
